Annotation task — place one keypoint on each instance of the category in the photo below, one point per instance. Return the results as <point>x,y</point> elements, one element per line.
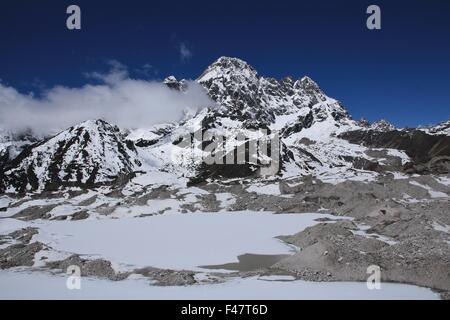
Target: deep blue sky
<point>401,73</point>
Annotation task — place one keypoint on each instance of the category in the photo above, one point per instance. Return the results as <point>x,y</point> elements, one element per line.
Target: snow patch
<point>433,193</point>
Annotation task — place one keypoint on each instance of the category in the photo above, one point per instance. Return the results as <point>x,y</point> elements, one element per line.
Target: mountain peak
<point>170,79</point>
<point>227,67</point>
<point>173,83</point>
<point>309,84</point>
<point>227,61</point>
<point>94,125</point>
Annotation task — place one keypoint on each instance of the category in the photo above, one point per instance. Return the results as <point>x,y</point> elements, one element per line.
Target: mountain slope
<point>85,155</point>
<point>248,103</point>
<point>307,121</point>
<point>428,153</point>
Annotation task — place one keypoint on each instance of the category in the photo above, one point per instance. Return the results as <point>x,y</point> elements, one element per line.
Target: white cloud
<point>185,52</point>
<point>117,73</point>
<point>128,103</point>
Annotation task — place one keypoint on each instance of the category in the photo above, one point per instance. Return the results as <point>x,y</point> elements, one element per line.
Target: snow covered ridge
<point>85,155</point>
<point>442,128</point>
<point>317,136</point>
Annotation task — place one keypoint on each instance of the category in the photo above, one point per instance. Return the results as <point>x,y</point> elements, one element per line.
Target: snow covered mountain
<point>442,128</point>
<point>293,109</point>
<point>317,137</point>
<point>85,155</point>
<point>256,101</point>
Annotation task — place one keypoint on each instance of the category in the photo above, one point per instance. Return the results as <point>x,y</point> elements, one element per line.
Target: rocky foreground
<point>400,225</point>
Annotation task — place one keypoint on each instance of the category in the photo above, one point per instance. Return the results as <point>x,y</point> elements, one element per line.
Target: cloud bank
<point>128,103</point>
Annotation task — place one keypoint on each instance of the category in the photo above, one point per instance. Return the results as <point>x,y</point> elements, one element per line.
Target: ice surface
<point>15,285</point>
<point>176,241</point>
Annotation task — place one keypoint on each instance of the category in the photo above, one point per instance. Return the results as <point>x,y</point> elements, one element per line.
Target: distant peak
<point>382,125</point>
<point>170,79</point>
<point>363,122</point>
<point>175,84</point>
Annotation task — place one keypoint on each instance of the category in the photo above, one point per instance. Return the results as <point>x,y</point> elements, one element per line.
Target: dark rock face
<point>230,167</point>
<point>4,158</point>
<point>304,122</point>
<point>429,153</point>
<point>217,171</point>
<point>141,143</point>
<point>364,164</point>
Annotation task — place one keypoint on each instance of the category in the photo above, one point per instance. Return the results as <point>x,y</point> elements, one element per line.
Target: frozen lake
<point>176,241</point>
<point>182,241</point>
